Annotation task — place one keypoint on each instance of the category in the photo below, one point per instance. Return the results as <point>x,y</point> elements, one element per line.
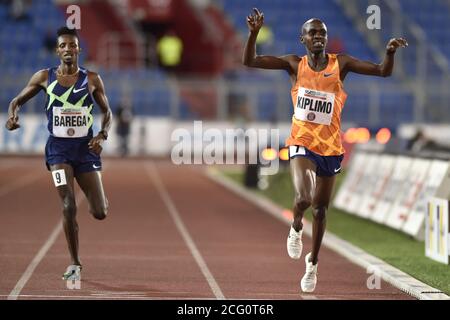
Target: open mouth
<point>318,44</point>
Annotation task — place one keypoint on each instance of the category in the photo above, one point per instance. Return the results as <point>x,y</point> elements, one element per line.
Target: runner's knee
<point>319,212</point>
<point>302,203</point>
<point>69,207</point>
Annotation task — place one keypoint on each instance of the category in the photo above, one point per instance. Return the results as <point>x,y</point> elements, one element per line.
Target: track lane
<point>246,248</point>
<point>135,253</point>
<point>23,229</point>
<point>138,253</point>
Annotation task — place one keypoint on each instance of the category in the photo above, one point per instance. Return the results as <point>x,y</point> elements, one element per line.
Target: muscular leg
<point>321,200</point>
<point>67,195</point>
<point>304,179</point>
<point>91,184</point>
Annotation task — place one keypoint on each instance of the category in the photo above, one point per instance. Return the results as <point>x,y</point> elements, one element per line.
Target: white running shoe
<point>73,272</point>
<point>309,280</point>
<point>294,243</point>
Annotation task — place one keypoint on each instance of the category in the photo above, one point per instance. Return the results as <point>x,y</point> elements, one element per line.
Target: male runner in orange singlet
<point>315,148</point>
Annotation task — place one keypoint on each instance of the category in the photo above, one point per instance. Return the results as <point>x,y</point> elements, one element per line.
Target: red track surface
<point>139,253</point>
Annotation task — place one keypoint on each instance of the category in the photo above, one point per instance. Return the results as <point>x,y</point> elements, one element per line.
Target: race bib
<point>296,151</point>
<point>70,122</point>
<point>314,106</point>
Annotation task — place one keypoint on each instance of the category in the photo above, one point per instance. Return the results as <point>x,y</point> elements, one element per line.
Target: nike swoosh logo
<point>326,75</point>
<point>96,167</point>
<point>78,90</point>
<point>337,170</point>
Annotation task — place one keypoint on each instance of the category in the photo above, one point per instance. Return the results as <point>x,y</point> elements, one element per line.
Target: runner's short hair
<point>66,31</point>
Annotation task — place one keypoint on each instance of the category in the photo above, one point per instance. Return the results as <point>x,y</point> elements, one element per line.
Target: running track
<point>171,233</point>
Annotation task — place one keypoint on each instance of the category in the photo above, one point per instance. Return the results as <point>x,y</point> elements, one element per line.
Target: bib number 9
<point>59,177</point>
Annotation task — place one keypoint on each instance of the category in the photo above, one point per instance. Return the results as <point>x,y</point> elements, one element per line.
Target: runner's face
<point>315,36</point>
<point>68,48</point>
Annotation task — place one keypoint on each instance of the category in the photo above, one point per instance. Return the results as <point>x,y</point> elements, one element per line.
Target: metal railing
<point>115,51</point>
<point>371,103</point>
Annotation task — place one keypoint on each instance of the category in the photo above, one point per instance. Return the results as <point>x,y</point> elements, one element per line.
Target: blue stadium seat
<point>433,17</point>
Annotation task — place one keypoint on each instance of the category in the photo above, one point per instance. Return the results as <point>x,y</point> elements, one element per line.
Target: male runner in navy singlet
<point>72,151</point>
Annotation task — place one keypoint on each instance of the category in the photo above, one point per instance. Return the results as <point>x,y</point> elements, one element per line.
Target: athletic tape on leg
<point>59,177</point>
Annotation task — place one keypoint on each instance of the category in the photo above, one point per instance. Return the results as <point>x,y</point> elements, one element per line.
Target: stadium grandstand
<point>115,33</point>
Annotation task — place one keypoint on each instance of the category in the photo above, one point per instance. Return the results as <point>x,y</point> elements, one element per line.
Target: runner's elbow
<point>384,73</point>
<point>248,62</point>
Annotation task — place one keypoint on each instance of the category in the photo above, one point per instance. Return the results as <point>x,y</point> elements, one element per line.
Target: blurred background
<point>168,62</point>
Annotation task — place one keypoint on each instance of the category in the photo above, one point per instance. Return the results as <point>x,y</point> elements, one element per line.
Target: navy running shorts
<point>327,166</point>
<point>74,152</point>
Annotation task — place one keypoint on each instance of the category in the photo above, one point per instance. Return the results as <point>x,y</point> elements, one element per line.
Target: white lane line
<point>154,177</point>
<point>19,183</point>
<point>15,293</point>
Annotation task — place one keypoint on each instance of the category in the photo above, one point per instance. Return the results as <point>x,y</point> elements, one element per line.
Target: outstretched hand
<point>396,43</point>
<point>12,123</point>
<point>255,21</point>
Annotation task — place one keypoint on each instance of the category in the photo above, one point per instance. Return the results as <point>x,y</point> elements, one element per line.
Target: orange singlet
<point>318,99</point>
